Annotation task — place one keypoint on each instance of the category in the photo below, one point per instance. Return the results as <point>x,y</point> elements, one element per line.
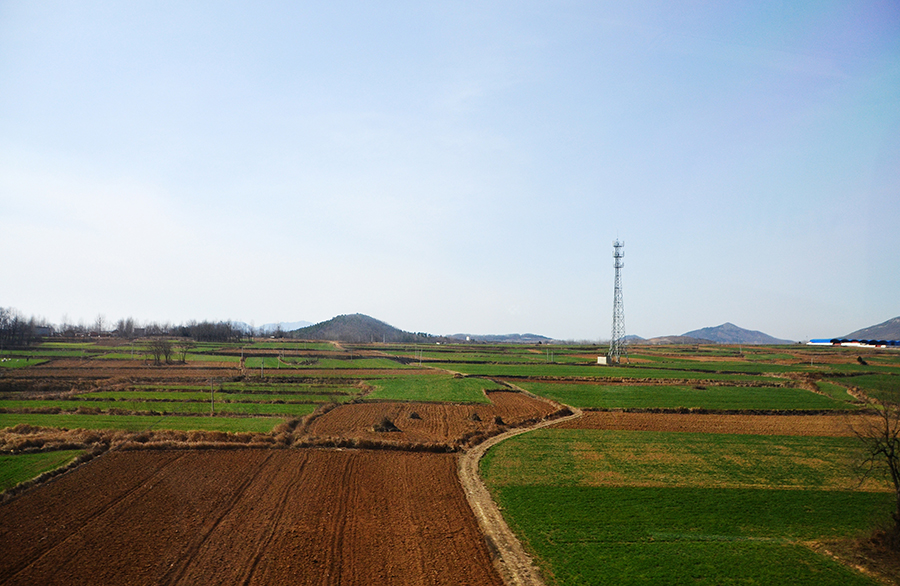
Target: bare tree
<point>161,348</point>
<point>183,348</point>
<point>880,436</point>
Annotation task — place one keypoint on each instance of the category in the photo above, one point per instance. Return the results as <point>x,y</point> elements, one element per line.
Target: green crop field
<point>345,364</point>
<point>445,388</point>
<point>675,396</point>
<point>219,396</point>
<point>164,407</point>
<point>141,422</point>
<point>652,535</point>
<point>595,371</point>
<point>21,467</point>
<point>681,508</point>
<point>20,362</point>
<point>589,457</point>
<point>885,385</point>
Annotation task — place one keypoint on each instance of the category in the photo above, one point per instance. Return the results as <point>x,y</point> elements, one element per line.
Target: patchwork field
<point>694,465</point>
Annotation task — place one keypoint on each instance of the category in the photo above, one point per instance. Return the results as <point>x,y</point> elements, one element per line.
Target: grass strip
<point>140,422</point>
<point>21,467</point>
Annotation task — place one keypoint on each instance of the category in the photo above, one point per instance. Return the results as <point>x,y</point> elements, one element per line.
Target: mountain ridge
<point>887,330</point>
<point>728,333</point>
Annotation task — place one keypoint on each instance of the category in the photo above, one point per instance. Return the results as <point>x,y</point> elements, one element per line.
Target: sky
<point>453,167</point>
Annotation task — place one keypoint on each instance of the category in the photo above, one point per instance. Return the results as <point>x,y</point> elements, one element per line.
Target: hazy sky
<point>454,167</point>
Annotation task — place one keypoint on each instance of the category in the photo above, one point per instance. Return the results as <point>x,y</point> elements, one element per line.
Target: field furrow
<point>250,517</point>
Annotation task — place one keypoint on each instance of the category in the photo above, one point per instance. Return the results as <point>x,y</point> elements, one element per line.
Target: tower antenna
<point>617,346</point>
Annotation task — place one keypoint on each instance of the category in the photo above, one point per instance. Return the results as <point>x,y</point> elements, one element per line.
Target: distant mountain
<point>358,328</point>
<point>889,330</point>
<point>729,333</point>
<point>502,338</point>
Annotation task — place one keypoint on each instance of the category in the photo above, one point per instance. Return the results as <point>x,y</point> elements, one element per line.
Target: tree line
<point>18,331</point>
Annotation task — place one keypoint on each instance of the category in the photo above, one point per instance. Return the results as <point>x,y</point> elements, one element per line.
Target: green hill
<point>358,328</point>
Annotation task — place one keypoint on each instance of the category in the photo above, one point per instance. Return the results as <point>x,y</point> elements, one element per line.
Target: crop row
<point>158,407</point>
<point>604,396</point>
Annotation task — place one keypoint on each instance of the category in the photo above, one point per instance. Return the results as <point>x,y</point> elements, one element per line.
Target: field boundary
<point>513,563</point>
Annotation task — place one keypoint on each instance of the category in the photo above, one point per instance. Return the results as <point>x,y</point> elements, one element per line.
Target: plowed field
<point>437,422</point>
<point>247,517</point>
<point>803,425</point>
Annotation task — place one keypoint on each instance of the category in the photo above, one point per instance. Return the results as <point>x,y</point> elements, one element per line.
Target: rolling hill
<point>728,333</point>
<point>358,328</point>
<point>889,330</point>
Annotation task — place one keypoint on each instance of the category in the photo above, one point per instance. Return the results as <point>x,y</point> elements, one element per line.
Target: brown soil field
<point>805,425</point>
<point>442,423</point>
<point>247,517</point>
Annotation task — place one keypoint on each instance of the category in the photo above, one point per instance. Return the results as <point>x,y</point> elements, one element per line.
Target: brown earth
<point>803,425</point>
<point>438,423</point>
<point>247,517</point>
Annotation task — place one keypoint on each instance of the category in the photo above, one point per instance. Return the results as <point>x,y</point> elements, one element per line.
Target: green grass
<point>19,468</point>
<point>286,345</point>
<point>883,386</point>
<point>141,422</point>
<point>671,397</point>
<point>444,388</point>
<point>124,355</point>
<point>165,407</point>
<point>596,457</point>
<point>20,362</point>
<point>504,356</point>
<point>624,507</point>
<point>50,353</point>
<point>568,370</point>
<point>835,391</point>
<point>653,535</point>
<point>339,363</point>
<point>201,396</point>
<point>191,357</point>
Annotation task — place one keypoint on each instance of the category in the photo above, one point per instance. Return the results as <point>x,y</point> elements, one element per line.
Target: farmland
<point>233,517</point>
<point>698,465</point>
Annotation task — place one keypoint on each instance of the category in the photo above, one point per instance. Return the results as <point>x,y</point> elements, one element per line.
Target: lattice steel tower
<point>617,347</point>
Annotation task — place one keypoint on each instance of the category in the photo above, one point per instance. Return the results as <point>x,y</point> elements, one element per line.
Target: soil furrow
<point>175,574</point>
<point>274,523</point>
<point>142,484</point>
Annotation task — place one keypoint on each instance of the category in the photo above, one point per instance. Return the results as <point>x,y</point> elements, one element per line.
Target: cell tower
<point>617,347</point>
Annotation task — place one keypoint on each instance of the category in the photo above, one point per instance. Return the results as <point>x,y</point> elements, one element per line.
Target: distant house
<point>43,331</point>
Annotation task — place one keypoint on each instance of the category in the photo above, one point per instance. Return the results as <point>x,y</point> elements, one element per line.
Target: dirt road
<point>513,563</point>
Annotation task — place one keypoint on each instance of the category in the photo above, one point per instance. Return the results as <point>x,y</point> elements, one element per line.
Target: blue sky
<point>453,167</point>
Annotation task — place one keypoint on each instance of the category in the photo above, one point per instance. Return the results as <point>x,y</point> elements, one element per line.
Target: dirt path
<point>513,563</point>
